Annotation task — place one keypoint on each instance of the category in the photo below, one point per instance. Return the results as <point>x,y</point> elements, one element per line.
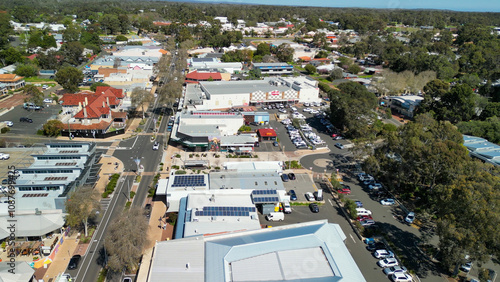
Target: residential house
<point>12,81</point>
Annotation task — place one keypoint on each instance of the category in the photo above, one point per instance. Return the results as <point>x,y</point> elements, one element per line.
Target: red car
<point>364,217</point>
<point>344,190</point>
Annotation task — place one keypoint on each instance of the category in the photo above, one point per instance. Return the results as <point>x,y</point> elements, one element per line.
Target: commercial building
<point>405,105</point>
<point>309,251</point>
<point>43,187</point>
<point>482,149</point>
<point>274,68</point>
<point>208,95</point>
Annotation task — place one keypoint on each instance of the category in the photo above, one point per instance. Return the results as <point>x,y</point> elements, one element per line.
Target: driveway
<point>39,119</point>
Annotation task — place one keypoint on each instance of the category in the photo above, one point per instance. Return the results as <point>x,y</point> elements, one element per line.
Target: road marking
<point>352,238</point>
<point>330,202</point>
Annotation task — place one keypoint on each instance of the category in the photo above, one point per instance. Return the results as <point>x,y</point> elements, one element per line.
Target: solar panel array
<point>264,192</point>
<point>225,211</point>
<point>262,200</point>
<point>189,181</point>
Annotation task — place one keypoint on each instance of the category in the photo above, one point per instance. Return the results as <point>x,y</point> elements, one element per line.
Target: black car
<point>293,196</point>
<point>314,208</point>
<point>73,262</point>
<point>25,119</point>
<point>147,210</point>
<point>291,175</point>
<point>376,246</point>
<point>284,177</point>
<point>5,181</point>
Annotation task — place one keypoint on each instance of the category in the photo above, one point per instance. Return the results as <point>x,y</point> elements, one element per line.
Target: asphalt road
<point>138,147</point>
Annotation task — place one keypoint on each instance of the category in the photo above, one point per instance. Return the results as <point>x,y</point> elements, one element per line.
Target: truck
<point>275,216</point>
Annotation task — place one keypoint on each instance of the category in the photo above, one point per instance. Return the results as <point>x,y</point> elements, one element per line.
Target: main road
<point>139,147</point>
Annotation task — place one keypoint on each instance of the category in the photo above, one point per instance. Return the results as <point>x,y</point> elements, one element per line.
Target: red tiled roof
<point>32,57</point>
<point>201,76</point>
<point>267,132</point>
<point>118,93</point>
<point>321,59</point>
<point>96,126</point>
<point>305,58</point>
<point>10,77</point>
<point>118,114</point>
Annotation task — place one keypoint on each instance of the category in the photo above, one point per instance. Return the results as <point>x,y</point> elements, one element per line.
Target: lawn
<point>37,79</point>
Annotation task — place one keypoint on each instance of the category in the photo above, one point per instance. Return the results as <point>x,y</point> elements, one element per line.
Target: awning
<point>32,225</point>
<point>245,149</point>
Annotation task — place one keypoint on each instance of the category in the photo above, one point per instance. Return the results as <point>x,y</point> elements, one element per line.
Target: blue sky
<point>456,5</point>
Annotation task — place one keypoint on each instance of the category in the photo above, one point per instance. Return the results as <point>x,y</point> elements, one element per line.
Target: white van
<point>363,211</point>
<point>275,216</point>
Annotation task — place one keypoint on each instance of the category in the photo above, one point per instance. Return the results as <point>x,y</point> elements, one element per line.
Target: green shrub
<point>172,218</point>
<point>132,194</point>
<point>217,167</point>
<point>102,275</point>
<point>175,167</point>
<point>138,178</point>
<point>180,172</point>
<point>127,205</point>
<point>177,156</point>
<point>4,130</point>
<point>143,121</point>
<point>105,194</point>
<point>39,132</point>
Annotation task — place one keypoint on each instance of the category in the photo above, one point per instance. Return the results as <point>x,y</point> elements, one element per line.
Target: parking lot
<point>39,119</point>
<point>302,184</point>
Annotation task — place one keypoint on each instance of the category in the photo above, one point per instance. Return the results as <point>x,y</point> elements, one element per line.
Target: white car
<point>383,254</point>
<point>156,146</point>
<point>47,100</point>
<point>387,262</point>
<point>363,211</point>
<point>281,110</point>
<point>9,123</point>
<point>394,269</point>
<point>309,196</point>
<point>293,109</point>
<point>307,110</point>
<point>387,202</point>
<point>4,156</point>
<point>313,111</point>
<point>401,277</point>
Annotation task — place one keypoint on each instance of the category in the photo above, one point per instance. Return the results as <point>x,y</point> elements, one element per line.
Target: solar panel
<point>225,211</point>
<point>189,181</point>
<point>264,192</point>
<point>260,200</point>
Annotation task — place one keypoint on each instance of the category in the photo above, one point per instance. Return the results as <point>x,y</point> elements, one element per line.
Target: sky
<point>455,5</point>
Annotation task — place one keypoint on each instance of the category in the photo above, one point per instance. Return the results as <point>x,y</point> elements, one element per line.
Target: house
<point>266,134</point>
<point>12,81</point>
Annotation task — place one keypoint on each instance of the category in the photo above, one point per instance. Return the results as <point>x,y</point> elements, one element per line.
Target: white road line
<point>330,202</point>
<point>352,238</point>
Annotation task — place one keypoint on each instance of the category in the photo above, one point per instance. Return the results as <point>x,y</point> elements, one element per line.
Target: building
<point>309,251</point>
<point>210,95</point>
<point>12,81</point>
<point>90,114</point>
<point>274,68</point>
<point>196,77</point>
<point>43,187</point>
<point>215,212</point>
<point>482,149</point>
<point>405,105</point>
<point>266,134</point>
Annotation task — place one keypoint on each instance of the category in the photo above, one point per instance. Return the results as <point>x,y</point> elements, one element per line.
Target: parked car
<point>375,186</point>
<point>309,196</point>
<point>363,211</point>
<point>383,254</point>
<point>364,217</point>
<point>275,144</point>
<point>291,175</point>
<point>48,100</point>
<point>344,190</point>
<point>257,144</point>
<point>284,177</point>
<point>387,202</point>
<point>156,146</point>
<point>292,194</point>
<point>375,246</point>
<point>466,267</point>
<point>359,204</point>
<point>364,177</point>
<point>318,195</point>
<point>314,208</point>
<point>25,119</point>
<point>393,269</point>
<point>73,262</point>
<point>4,156</point>
<point>387,262</point>
<point>9,123</point>
<point>147,210</point>
<point>339,145</point>
<point>410,217</point>
<point>401,277</point>
<point>367,222</point>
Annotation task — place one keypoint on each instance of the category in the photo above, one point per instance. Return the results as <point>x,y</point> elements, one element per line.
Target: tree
<point>93,87</point>
<point>121,38</point>
<point>310,69</point>
<point>11,56</point>
<point>81,205</point>
<point>139,97</point>
<point>72,52</point>
<point>335,74</point>
<point>5,30</point>
<point>284,53</point>
<point>263,49</point>
<point>170,93</point>
<point>52,128</point>
<point>354,69</point>
<point>27,70</point>
<point>71,33</point>
<point>125,244</point>
<point>69,78</point>
<point>34,95</point>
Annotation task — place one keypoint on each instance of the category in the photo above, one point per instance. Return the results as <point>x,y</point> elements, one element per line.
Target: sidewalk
<point>61,260</point>
<point>129,133</point>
